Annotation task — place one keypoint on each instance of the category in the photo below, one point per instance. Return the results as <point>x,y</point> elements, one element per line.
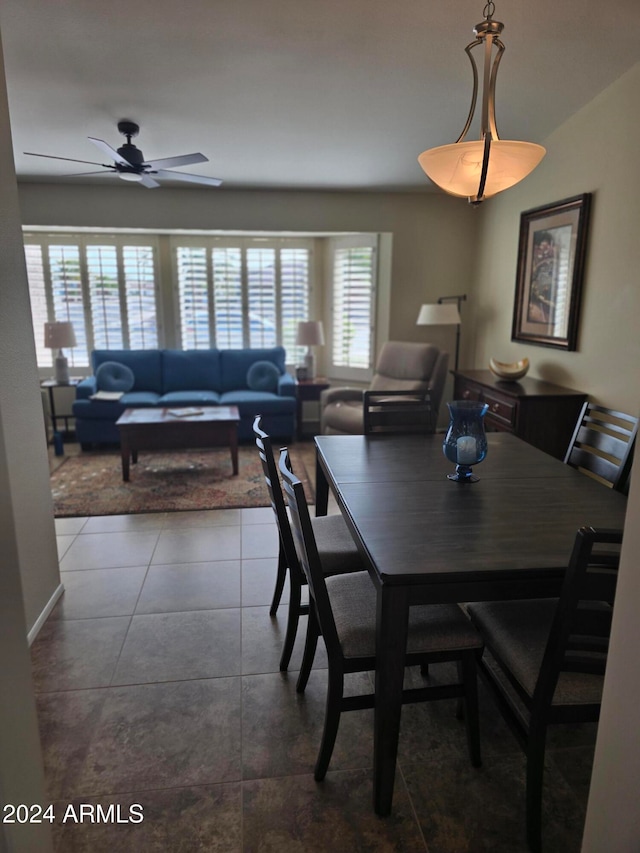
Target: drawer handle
<point>495,407</point>
<point>466,394</point>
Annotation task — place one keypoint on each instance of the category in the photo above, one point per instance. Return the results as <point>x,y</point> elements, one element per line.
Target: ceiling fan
<point>130,165</point>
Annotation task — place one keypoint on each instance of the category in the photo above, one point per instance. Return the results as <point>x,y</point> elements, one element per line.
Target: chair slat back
<point>398,412</point>
<point>270,470</point>
<point>579,636</point>
<point>307,551</point>
<point>602,444</point>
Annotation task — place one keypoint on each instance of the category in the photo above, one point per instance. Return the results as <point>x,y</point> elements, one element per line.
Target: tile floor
<point>157,684</point>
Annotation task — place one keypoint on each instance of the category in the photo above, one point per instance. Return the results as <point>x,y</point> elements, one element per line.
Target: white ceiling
<point>331,94</point>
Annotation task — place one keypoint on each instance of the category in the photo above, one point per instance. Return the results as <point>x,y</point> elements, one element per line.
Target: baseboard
<point>42,618</point>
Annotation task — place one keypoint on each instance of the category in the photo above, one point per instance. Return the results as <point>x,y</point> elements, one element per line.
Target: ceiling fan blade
<point>80,174</point>
<point>183,160</point>
<point>70,159</point>
<point>111,152</point>
<point>148,182</point>
<point>194,179</point>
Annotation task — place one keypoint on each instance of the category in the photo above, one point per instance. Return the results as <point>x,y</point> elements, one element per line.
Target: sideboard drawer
<point>501,410</point>
<point>469,392</point>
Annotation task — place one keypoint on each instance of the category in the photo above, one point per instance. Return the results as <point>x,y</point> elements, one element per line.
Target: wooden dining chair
<point>345,609</point>
<point>336,546</point>
<point>602,445</point>
<point>398,412</point>
<point>548,656</point>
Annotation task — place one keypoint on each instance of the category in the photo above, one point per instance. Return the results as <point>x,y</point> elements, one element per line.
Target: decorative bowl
<point>509,372</point>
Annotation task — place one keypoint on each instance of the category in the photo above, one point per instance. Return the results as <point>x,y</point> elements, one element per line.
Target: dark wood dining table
<point>426,539</point>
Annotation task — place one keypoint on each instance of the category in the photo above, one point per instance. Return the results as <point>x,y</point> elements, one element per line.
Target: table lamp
<point>59,336</point>
<point>310,334</point>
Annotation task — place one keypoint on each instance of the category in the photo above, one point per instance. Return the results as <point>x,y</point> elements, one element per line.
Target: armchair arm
<point>340,395</point>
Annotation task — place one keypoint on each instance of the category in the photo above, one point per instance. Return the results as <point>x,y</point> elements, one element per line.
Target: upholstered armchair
<point>417,369</point>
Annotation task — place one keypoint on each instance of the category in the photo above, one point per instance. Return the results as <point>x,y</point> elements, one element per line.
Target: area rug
<point>90,483</point>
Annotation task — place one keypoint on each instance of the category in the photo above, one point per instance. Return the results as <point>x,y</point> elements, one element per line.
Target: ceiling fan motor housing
<point>131,154</point>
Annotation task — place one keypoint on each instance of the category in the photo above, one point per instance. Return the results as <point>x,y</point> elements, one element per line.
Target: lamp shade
<point>310,334</point>
<point>445,314</point>
<point>457,168</point>
<point>59,335</point>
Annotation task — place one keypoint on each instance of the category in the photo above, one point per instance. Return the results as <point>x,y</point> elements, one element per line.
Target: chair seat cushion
<point>337,550</point>
<point>516,633</point>
<point>432,627</point>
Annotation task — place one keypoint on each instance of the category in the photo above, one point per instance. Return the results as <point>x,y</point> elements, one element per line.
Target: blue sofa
<point>188,378</point>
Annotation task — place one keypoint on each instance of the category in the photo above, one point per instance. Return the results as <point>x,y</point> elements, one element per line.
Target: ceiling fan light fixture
<point>480,169</point>
<point>130,176</point>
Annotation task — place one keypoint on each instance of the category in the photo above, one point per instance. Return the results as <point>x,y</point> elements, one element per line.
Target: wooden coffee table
<point>172,428</point>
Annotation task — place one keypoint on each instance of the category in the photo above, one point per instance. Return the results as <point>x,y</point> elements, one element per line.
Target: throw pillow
<point>114,376</point>
<point>263,376</point>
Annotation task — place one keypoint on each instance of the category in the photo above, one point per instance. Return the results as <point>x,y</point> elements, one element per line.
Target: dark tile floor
<point>157,684</point>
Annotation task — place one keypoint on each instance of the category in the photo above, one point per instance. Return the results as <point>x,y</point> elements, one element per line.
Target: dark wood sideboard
<point>539,412</point>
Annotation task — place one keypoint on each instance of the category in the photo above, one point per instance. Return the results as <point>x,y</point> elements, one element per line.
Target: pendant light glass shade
<point>457,168</point>
<point>480,169</point>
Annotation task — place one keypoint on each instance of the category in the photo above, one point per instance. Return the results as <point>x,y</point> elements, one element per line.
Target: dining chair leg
<point>535,770</point>
<point>469,677</point>
<point>295,593</point>
<point>280,578</point>
<point>335,690</point>
<point>310,645</point>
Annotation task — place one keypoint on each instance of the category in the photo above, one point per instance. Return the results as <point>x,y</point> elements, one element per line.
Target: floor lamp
<point>446,312</point>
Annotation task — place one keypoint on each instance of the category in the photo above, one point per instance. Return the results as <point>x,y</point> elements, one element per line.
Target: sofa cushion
<point>139,399</point>
<point>263,376</point>
<point>114,376</point>
<point>186,370</point>
<point>145,364</point>
<point>190,398</point>
<point>235,365</point>
<point>251,403</point>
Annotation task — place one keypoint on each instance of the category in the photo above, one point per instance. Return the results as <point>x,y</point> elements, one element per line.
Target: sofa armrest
<point>286,385</point>
<point>86,388</point>
<point>341,395</point>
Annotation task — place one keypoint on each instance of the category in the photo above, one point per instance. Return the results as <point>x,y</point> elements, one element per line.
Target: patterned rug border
<point>90,483</point>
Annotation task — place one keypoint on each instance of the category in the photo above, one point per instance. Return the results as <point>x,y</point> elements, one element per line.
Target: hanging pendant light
<point>480,169</point>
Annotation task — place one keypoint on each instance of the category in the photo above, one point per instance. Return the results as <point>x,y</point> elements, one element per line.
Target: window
<point>353,279</point>
<point>242,292</point>
<point>105,285</point>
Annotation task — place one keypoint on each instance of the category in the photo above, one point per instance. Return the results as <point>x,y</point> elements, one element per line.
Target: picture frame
<point>551,261</point>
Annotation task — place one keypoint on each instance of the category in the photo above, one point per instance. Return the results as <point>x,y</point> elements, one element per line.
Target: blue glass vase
<point>465,443</point>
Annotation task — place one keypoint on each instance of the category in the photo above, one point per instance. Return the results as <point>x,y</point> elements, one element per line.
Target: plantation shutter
<point>227,297</point>
<point>193,296</point>
<point>67,297</point>
<point>294,298</point>
<point>261,290</point>
<point>104,297</point>
<point>140,285</point>
<point>353,301</point>
<point>38,297</point>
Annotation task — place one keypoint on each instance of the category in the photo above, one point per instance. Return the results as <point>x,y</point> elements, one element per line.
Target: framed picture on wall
<point>551,256</point>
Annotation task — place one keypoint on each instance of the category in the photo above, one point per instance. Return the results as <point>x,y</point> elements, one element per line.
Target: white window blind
<point>353,283</point>
<point>105,286</point>
<point>259,289</point>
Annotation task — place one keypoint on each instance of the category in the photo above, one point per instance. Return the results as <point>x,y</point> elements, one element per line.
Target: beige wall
<point>433,236</point>
<point>595,151</point>
<point>28,558</point>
